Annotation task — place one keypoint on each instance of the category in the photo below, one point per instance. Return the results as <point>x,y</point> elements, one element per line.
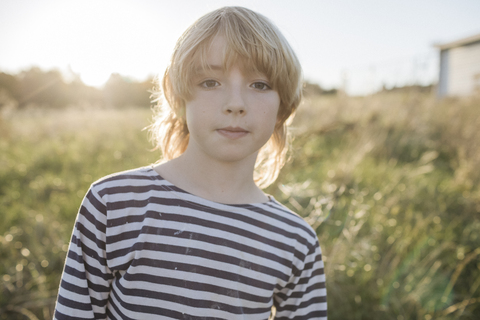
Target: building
<point>459,67</point>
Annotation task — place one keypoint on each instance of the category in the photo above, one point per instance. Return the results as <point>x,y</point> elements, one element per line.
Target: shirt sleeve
<point>305,295</point>
<point>86,279</point>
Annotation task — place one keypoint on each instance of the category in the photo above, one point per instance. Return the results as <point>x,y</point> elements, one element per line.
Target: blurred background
<point>384,161</point>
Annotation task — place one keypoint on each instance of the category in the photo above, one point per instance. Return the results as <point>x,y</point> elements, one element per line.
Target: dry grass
<point>389,182</point>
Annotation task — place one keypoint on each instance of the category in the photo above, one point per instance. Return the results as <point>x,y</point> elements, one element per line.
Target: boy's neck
<point>223,182</point>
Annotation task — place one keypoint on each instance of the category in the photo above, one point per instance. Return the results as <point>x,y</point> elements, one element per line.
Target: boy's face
<point>231,114</point>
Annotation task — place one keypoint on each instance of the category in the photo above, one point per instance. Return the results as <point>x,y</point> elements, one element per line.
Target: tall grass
<point>48,159</point>
<point>389,182</point>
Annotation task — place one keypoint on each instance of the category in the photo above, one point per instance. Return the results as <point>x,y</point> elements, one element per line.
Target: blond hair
<point>250,38</point>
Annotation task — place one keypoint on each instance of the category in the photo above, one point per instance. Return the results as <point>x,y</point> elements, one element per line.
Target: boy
<point>194,237</point>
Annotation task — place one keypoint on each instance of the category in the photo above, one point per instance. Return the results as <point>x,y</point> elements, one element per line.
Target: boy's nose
<point>235,102</point>
<point>235,109</point>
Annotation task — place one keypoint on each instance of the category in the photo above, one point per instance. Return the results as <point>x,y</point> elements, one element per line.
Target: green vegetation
<point>389,181</point>
<point>38,88</point>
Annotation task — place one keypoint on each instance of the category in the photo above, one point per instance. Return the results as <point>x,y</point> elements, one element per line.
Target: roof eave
<point>458,43</point>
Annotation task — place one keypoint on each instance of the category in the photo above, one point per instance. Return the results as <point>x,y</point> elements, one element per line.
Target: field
<point>389,181</point>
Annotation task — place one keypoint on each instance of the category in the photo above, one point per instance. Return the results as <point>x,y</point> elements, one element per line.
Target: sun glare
<point>94,77</point>
<point>92,39</point>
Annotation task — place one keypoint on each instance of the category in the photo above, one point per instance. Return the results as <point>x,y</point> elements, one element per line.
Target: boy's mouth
<point>232,132</point>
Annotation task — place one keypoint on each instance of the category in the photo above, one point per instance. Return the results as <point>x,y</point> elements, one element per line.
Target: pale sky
<point>356,40</point>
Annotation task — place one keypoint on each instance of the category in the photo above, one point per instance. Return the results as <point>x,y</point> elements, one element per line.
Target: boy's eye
<point>209,84</point>
<point>261,86</point>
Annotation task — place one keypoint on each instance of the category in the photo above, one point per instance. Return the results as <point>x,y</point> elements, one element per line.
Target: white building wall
<point>443,78</point>
<point>464,69</point>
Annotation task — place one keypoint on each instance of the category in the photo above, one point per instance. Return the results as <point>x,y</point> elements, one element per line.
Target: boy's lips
<point>232,132</point>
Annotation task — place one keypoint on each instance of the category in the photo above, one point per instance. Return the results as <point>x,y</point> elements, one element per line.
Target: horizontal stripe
<point>195,303</point>
<point>203,270</point>
<point>73,304</point>
<point>196,286</point>
<point>317,314</point>
<point>61,316</point>
<point>193,206</point>
<point>212,256</point>
<point>203,223</point>
<point>207,239</point>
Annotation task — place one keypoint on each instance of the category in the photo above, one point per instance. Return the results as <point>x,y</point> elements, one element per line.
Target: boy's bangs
<point>252,52</point>
<point>249,60</point>
<point>253,58</point>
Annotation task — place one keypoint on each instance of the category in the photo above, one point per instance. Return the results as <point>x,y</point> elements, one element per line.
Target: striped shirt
<point>143,248</point>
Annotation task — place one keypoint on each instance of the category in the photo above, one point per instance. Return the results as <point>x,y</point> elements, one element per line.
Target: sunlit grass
<point>48,159</point>
<point>389,182</point>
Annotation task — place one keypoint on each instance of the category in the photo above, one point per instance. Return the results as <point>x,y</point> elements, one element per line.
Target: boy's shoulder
<point>291,218</point>
<point>128,177</point>
<point>137,173</point>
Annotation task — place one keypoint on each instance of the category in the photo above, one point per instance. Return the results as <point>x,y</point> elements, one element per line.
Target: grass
<point>48,160</point>
<point>388,181</point>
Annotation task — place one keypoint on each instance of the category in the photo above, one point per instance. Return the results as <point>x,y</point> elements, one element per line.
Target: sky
<point>355,44</point>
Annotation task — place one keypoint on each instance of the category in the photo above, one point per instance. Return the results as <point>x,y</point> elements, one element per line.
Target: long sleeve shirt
<point>143,248</point>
